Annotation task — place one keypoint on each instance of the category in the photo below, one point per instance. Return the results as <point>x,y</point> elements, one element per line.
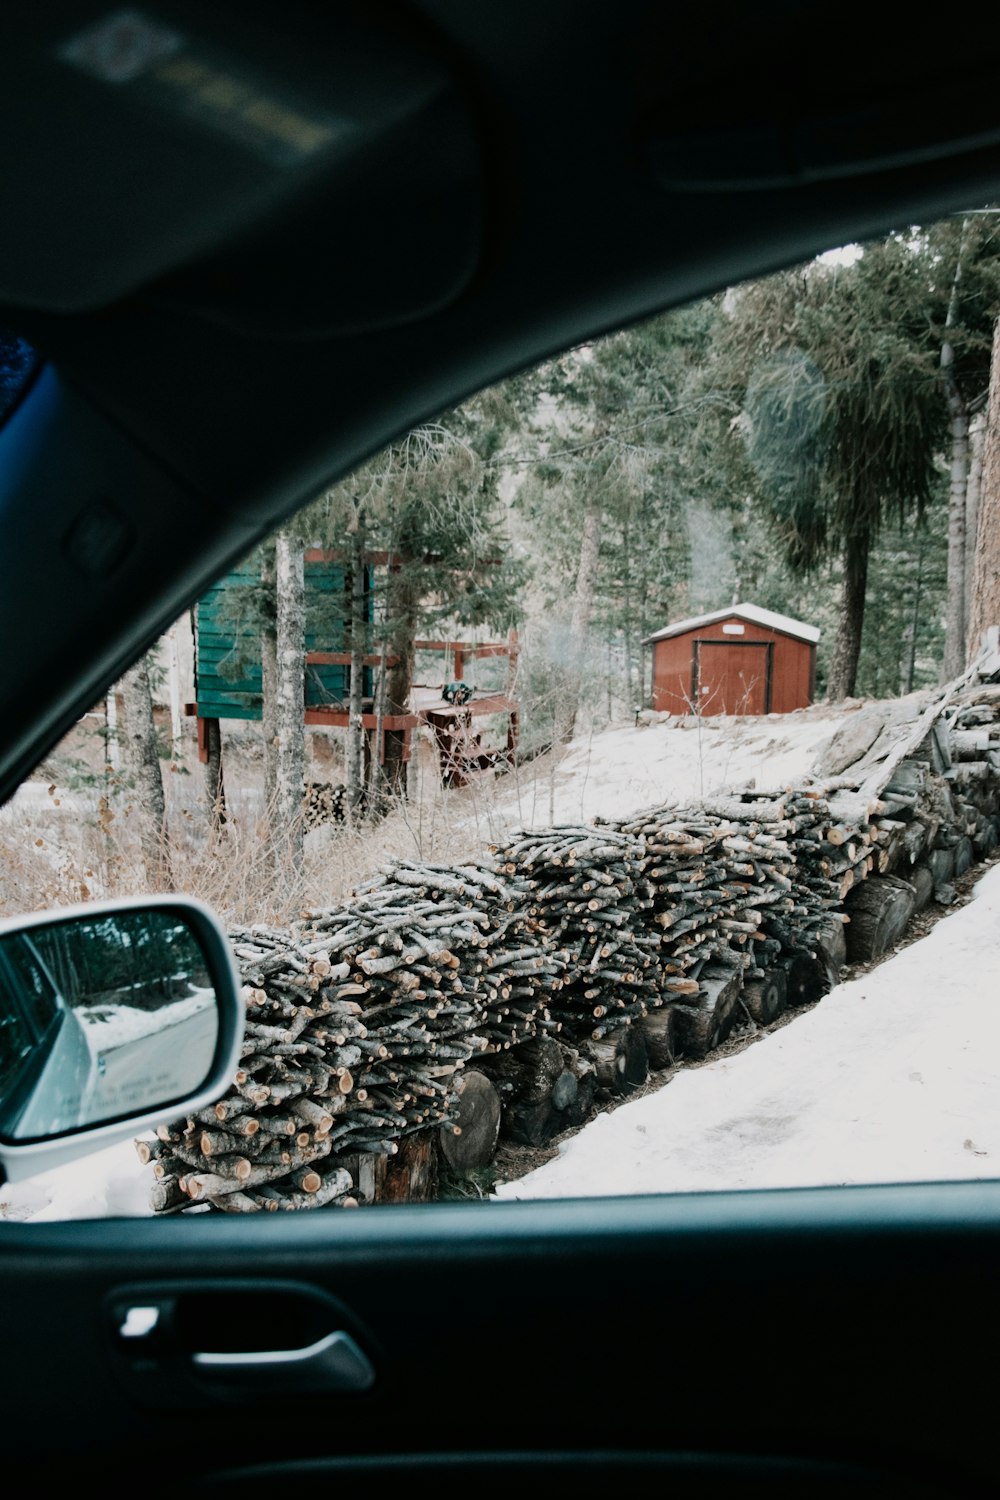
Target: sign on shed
<point>740,660</point>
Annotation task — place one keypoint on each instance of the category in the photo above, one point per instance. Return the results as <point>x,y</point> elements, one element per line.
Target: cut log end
<point>880,909</point>
<point>474,1143</point>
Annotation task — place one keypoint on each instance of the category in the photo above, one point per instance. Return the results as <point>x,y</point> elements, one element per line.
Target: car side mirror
<point>114,1017</point>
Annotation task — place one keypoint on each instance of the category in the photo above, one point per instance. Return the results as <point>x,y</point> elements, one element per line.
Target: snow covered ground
<point>626,768</point>
<point>892,1077</point>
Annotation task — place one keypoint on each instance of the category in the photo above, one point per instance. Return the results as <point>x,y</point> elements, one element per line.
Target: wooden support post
<point>204,738</point>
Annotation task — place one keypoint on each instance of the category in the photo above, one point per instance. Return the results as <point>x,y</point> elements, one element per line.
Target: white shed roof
<point>751,612</point>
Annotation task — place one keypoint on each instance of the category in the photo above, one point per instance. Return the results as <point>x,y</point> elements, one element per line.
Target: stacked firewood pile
<point>587,893</point>
<point>724,904</point>
<point>323,802</point>
<point>358,1021</point>
<point>267,1144</point>
<point>448,1003</point>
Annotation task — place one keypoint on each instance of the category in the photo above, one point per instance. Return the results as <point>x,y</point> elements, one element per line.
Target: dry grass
<point>71,833</point>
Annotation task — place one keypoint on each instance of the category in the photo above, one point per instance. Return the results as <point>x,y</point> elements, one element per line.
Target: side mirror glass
<point>111,1015</point>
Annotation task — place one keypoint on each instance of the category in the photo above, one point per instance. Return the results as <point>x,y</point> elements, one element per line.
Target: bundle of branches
<point>715,872</point>
<point>793,860</point>
<point>502,957</point>
<point>267,1144</point>
<point>588,893</point>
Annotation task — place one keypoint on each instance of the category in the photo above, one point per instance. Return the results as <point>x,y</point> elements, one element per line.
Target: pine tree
<point>430,504</point>
<point>290,634</point>
<point>844,420</point>
<point>610,460</point>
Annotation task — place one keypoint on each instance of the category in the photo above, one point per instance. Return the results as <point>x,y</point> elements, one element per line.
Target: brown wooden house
<point>740,660</point>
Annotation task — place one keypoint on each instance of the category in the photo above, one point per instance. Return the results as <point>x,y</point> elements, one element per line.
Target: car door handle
<point>334,1363</point>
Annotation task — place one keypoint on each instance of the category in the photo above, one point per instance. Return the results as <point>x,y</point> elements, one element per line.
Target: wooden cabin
<point>740,660</point>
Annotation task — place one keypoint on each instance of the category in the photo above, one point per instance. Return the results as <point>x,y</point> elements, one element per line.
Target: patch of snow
<point>106,1184</point>
<point>626,768</point>
<point>113,1026</point>
<point>890,1078</point>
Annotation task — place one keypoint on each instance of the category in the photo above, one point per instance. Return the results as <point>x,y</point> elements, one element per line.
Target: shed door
<point>732,677</point>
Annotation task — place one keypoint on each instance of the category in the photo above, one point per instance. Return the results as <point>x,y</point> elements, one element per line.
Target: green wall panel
<point>227,626</point>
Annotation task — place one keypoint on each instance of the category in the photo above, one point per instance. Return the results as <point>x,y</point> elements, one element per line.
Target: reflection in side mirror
<point>111,1013</point>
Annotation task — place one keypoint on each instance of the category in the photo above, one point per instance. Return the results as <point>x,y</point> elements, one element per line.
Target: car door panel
<point>777,1324</point>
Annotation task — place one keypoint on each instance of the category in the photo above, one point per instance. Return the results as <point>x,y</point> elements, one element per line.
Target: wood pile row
<point>586,889</point>
<point>727,904</point>
<point>358,1021</point>
<point>563,970</point>
<point>588,893</point>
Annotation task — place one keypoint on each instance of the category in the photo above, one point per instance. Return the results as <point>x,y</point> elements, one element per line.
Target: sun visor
<point>266,175</point>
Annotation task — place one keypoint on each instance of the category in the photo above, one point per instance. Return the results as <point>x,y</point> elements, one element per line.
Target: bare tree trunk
<point>973,489</point>
<point>630,704</point>
<point>112,749</point>
<point>910,633</point>
<point>576,650</point>
<point>142,764</point>
<point>402,605</point>
<point>984,608</point>
<point>112,765</point>
<point>269,696</point>
<point>847,647</point>
<point>214,777</point>
<point>376,798</point>
<point>610,674</point>
<point>290,703</point>
<point>955,607</point>
<point>958,431</point>
<point>355,727</point>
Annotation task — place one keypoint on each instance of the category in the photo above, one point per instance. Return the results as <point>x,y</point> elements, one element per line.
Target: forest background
<point>823,443</point>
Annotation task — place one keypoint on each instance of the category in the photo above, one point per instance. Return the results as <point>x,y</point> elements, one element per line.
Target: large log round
<point>535,1119</point>
<point>830,943</point>
<point>879,909</point>
<point>526,1073</point>
<point>473,1144</point>
<point>568,1105</point>
<point>766,998</point>
<point>807,978</point>
<point>942,866</point>
<point>985,840</point>
<point>963,855</point>
<point>411,1176</point>
<point>621,1061</point>
<point>572,1105</point>
<point>922,881</point>
<point>660,1031</point>
<point>704,1026</point>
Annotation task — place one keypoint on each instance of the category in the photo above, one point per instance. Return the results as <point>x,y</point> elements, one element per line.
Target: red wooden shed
<point>740,660</point>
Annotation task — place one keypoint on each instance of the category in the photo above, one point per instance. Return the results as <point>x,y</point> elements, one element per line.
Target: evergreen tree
<point>430,505</point>
<point>610,461</point>
<point>843,414</point>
